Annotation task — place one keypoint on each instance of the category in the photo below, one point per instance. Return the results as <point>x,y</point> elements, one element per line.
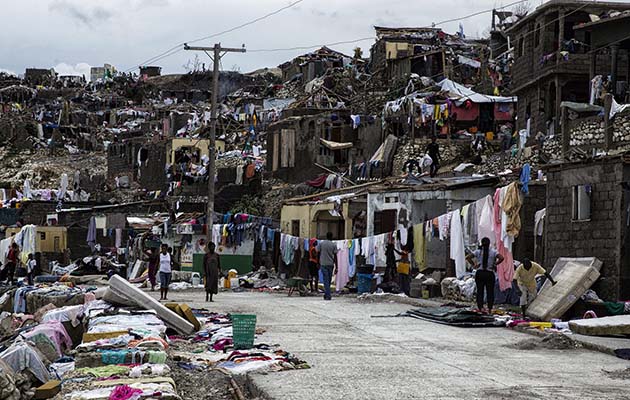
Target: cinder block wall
<point>600,236</point>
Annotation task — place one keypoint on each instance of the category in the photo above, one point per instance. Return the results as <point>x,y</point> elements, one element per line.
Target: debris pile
<point>549,342</point>
<point>451,153</point>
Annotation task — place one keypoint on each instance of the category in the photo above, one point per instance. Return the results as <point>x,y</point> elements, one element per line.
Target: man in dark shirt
<point>433,150</point>
<point>327,251</point>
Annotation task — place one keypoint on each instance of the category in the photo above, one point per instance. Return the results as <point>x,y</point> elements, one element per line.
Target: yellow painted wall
<point>306,214</point>
<point>392,48</point>
<point>47,245</point>
<point>201,144</point>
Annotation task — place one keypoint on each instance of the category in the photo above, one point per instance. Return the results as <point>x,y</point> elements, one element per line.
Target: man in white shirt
<point>166,267</point>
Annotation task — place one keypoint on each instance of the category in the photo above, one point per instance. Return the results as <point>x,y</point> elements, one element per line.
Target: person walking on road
<point>525,277</point>
<point>211,271</point>
<point>487,260</point>
<point>328,261</point>
<point>153,260</point>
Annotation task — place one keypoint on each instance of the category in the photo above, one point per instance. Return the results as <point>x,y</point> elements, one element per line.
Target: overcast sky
<point>71,35</point>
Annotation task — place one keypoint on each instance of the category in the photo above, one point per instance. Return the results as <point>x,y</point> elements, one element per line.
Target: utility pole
<point>219,52</point>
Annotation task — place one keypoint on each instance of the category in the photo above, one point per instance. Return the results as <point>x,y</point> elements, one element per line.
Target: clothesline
<point>495,217</point>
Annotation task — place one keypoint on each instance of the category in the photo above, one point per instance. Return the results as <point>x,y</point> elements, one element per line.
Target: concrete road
<point>354,356</point>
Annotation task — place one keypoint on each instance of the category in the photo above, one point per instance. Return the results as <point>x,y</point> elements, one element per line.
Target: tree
<point>193,65</point>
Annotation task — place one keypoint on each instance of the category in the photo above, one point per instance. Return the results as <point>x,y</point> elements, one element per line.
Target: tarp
<point>335,145</point>
<point>618,108</point>
<point>461,93</point>
<point>277,104</point>
<point>469,61</point>
<point>581,107</point>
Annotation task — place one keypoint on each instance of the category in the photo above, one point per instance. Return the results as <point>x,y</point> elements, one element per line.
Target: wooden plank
<point>276,151</point>
<point>124,289</point>
<point>291,150</point>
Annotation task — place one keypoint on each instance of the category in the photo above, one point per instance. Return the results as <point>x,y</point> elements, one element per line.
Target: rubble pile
<point>45,171</point>
<point>451,153</point>
<point>588,133</point>
<point>275,192</point>
<point>552,148</point>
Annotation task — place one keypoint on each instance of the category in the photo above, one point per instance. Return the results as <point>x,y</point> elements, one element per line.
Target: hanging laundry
<point>457,251</point>
<point>505,270</point>
<point>512,207</point>
<point>343,276</point>
<point>352,259</point>
<point>420,247</point>
<point>403,234</point>
<point>486,220</point>
<point>525,177</point>
<point>443,225</point>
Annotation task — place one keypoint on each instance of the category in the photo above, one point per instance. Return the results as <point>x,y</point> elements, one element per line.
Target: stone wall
<point>588,132</point>
<point>621,129</point>
<point>598,237</point>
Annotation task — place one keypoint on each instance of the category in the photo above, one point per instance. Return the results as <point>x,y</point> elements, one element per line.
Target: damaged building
<point>556,57</point>
<point>305,138</point>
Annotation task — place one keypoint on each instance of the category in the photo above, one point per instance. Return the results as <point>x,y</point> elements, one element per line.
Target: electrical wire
<point>479,13</point>
<point>372,38</point>
<point>312,47</point>
<point>549,23</point>
<point>171,51</point>
<point>177,47</point>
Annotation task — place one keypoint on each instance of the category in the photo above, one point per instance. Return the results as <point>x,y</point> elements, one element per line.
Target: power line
<point>247,23</point>
<point>479,13</point>
<point>547,24</point>
<point>178,46</point>
<point>372,38</point>
<point>313,46</point>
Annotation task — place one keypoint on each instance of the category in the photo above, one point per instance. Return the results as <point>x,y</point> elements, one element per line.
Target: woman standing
<point>153,260</point>
<point>487,260</point>
<point>166,268</point>
<point>313,266</point>
<point>404,269</point>
<point>211,270</point>
<point>390,263</point>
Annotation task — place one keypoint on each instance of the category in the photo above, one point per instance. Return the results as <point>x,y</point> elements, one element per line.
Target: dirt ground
<point>202,384</point>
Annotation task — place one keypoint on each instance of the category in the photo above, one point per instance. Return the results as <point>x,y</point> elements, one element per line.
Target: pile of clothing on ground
<point>122,354</point>
<point>216,336</point>
<point>35,347</point>
<point>262,280</point>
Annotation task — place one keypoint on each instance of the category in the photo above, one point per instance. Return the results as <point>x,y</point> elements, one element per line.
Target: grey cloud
<point>82,15</point>
<point>320,13</point>
<point>153,3</point>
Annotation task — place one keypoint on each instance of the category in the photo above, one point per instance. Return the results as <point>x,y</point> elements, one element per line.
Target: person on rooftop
<point>433,150</point>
